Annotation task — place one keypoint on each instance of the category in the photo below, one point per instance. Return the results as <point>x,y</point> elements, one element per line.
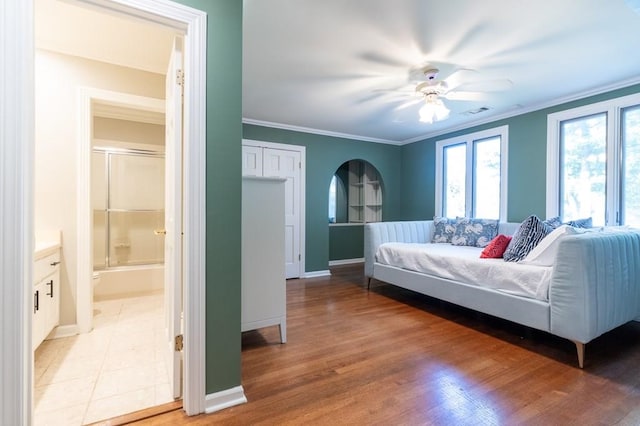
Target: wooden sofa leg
<point>369,283</point>
<point>580,349</point>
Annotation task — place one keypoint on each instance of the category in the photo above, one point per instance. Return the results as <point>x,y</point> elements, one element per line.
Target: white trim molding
<point>193,23</point>
<point>468,139</point>
<point>16,190</point>
<point>87,99</point>
<point>317,274</point>
<point>224,399</point>
<point>613,110</point>
<point>16,198</point>
<point>340,262</point>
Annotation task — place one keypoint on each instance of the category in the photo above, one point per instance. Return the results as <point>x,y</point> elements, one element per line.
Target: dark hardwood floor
<point>392,357</point>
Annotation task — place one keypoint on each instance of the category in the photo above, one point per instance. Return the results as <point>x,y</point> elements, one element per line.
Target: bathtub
<point>129,281</point>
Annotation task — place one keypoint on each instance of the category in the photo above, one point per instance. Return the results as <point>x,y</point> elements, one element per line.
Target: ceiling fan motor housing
<point>434,87</point>
<point>431,73</point>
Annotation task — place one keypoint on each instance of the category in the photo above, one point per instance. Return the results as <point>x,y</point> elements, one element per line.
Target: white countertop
<point>47,242</point>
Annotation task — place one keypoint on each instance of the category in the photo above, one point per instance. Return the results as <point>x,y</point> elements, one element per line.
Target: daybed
<point>593,284</point>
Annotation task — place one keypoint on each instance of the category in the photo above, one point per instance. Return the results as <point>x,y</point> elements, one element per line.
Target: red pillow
<point>496,247</point>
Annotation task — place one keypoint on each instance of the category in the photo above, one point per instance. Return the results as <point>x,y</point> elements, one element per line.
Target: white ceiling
<point>64,26</point>
<point>341,67</point>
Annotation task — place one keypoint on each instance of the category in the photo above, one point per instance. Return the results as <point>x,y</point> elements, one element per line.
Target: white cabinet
<point>263,254</point>
<point>365,193</point>
<point>46,293</point>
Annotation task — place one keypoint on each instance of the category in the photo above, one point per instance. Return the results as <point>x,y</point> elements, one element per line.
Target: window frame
<point>612,109</point>
<point>469,139</point>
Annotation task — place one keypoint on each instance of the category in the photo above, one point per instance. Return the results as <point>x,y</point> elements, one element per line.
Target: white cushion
<point>544,254</point>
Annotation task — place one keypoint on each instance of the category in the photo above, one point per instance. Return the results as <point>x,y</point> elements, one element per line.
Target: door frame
<point>17,111</point>
<point>303,183</point>
<point>87,98</point>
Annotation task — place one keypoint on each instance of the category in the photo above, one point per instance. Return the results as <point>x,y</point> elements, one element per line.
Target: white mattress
<point>463,264</point>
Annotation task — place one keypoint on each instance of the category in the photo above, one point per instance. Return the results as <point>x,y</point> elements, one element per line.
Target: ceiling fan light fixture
<point>433,110</point>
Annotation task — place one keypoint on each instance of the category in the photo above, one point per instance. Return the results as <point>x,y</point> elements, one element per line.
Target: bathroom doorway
<point>68,350</point>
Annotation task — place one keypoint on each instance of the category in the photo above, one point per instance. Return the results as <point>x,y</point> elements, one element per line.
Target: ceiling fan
<point>431,91</point>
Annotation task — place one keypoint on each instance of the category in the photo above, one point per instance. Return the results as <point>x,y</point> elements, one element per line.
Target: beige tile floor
<point>117,368</point>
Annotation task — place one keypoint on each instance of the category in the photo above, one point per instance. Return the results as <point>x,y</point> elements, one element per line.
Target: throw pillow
<point>553,222</point>
<point>528,235</point>
<point>544,253</point>
<point>581,223</point>
<point>496,247</point>
<point>443,229</point>
<point>474,232</point>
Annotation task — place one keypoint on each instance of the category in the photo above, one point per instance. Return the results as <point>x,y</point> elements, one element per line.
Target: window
<point>332,199</point>
<point>471,175</point>
<point>593,155</point>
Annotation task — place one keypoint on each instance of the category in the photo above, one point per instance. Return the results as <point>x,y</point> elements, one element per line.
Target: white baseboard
<point>316,274</point>
<point>224,399</point>
<point>346,261</point>
<point>64,331</point>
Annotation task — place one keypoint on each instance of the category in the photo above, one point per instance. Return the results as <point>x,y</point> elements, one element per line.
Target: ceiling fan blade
<point>486,86</point>
<point>465,96</point>
<point>465,40</point>
<point>459,76</point>
<point>407,104</point>
<point>379,58</point>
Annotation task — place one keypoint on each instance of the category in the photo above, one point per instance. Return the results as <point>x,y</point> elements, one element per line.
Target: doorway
<point>120,357</point>
<point>270,159</point>
<point>184,20</point>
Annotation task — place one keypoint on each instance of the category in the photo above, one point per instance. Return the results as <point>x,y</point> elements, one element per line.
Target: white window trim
<point>612,108</point>
<point>468,139</point>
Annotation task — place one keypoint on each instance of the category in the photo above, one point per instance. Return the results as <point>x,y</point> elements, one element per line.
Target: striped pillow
<point>528,235</point>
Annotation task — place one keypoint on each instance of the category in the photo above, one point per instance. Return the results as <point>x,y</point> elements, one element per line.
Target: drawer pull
<point>36,301</point>
<point>55,263</point>
<point>50,283</point>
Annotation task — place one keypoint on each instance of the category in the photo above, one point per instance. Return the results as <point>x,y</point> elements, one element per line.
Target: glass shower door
<point>128,197</point>
<point>136,209</point>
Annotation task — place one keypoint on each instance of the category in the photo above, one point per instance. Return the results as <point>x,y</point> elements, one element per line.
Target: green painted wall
<point>346,242</point>
<point>407,173</point>
<point>223,186</point>
<point>527,163</point>
<point>324,155</point>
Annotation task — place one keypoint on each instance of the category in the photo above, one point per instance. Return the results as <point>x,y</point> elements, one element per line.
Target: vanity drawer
<point>46,266</point>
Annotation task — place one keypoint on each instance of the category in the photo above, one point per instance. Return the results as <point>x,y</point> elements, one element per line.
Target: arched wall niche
<point>355,193</point>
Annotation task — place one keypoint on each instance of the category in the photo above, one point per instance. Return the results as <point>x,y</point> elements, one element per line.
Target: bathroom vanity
<point>46,287</point>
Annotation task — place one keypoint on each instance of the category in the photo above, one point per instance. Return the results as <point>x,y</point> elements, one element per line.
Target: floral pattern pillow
<point>474,232</point>
<point>553,222</point>
<point>443,229</point>
<point>581,223</point>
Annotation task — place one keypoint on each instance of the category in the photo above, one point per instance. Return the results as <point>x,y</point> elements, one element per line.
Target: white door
<point>251,160</point>
<point>173,216</point>
<point>286,164</point>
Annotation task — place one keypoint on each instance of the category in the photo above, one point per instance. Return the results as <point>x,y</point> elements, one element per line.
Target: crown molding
<point>536,107</point>
<point>469,124</point>
<point>317,131</point>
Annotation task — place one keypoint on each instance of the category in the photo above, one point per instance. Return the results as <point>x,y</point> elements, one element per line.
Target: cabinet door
<point>52,302</point>
<point>39,316</point>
